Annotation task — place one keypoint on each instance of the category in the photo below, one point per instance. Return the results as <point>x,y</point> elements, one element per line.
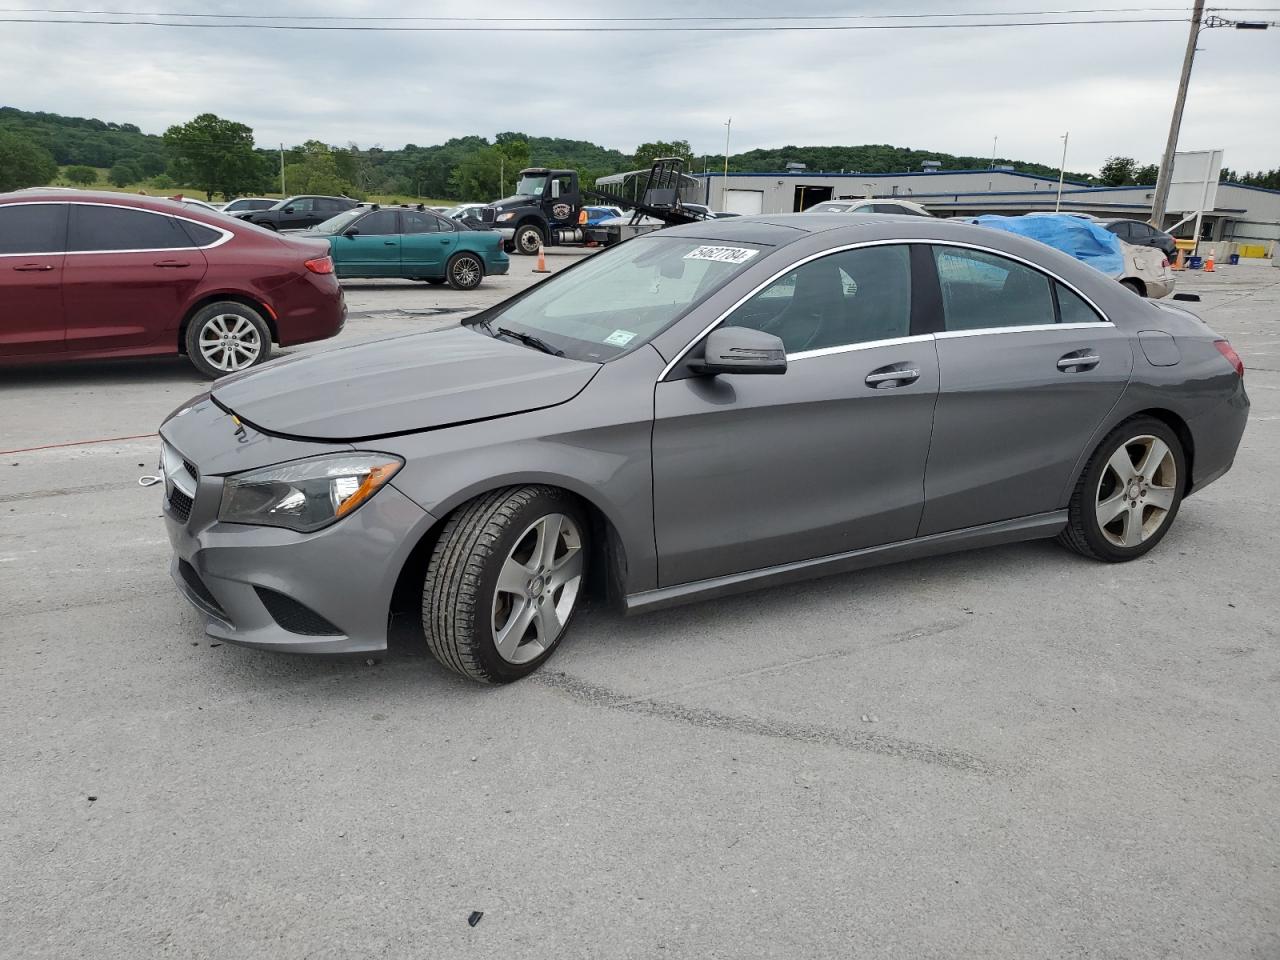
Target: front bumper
<point>506,233</point>
<point>273,589</point>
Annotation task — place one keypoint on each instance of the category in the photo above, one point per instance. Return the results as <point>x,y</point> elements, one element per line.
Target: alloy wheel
<point>1136,491</point>
<point>466,272</point>
<point>230,342</point>
<point>537,589</point>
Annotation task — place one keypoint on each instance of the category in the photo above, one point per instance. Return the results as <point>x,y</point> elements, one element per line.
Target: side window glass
<point>122,228</point>
<point>1122,230</point>
<point>201,236</point>
<point>855,296</point>
<point>1072,309</point>
<point>415,221</point>
<point>303,205</point>
<point>377,224</point>
<point>33,228</point>
<point>982,290</point>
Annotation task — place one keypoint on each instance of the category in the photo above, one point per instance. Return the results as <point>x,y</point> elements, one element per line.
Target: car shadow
<point>172,369</point>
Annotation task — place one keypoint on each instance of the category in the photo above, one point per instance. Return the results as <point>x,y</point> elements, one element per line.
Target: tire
<point>464,271</point>
<point>436,281</point>
<point>502,539</point>
<point>527,239</point>
<point>1136,525</point>
<point>1134,285</point>
<point>508,246</point>
<point>227,337</point>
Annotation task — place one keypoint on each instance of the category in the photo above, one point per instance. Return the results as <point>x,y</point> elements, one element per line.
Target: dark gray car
<point>708,409</point>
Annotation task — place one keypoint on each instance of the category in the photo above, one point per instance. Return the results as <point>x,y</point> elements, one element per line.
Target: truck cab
<point>542,212</point>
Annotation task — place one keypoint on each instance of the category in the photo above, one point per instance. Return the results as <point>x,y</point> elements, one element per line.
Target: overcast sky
<point>1111,86</point>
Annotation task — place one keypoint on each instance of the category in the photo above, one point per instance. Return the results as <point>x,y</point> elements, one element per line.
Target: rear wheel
<point>225,337</point>
<point>1129,493</point>
<point>504,581</point>
<point>527,239</point>
<point>1135,285</point>
<point>464,271</point>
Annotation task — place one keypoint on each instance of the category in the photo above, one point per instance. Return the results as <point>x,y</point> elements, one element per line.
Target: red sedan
<point>86,275</point>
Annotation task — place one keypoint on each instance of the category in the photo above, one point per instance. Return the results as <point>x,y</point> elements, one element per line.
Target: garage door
<point>745,202</point>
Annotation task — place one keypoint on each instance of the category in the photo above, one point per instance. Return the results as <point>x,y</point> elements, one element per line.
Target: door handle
<point>172,263</point>
<point>33,267</point>
<point>388,243</point>
<point>891,377</point>
<point>1079,361</point>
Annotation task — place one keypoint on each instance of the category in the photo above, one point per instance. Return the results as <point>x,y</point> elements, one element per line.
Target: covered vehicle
<point>712,408</point>
<point>413,243</point>
<point>1144,270</point>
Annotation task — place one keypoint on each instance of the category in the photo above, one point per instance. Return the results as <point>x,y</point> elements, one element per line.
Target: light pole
<point>1062,171</point>
<point>1160,202</point>
<point>728,126</point>
<point>994,141</point>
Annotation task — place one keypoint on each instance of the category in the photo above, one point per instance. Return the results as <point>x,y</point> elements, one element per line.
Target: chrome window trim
<point>864,345</point>
<point>225,234</point>
<point>1026,328</point>
<point>1105,321</point>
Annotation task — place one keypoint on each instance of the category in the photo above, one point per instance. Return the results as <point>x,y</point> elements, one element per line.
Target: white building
<point>1246,214</point>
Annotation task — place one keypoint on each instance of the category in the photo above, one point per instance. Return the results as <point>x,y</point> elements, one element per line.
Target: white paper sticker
<point>620,338</point>
<point>722,254</point>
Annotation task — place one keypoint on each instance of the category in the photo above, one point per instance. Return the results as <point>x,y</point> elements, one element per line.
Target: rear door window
<point>107,228</point>
<point>416,221</point>
<point>982,291</point>
<point>1071,308</point>
<point>33,228</point>
<point>200,235</point>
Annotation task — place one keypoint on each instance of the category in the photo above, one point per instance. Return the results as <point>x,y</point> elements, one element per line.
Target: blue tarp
<point>1083,239</point>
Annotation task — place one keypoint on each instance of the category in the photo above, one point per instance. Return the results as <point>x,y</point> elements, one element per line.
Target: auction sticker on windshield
<point>721,254</point>
<point>620,338</point>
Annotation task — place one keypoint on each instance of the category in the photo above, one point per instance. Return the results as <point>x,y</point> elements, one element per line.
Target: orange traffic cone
<point>1208,264</point>
<point>542,262</point>
<point>1177,261</point>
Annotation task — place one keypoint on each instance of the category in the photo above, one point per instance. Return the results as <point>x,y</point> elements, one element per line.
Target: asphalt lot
<point>1008,753</point>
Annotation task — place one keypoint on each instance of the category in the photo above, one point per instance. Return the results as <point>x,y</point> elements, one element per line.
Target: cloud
<point>1111,86</point>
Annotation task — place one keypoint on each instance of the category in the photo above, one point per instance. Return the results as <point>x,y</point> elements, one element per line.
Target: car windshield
<point>620,299</point>
<point>531,186</point>
<point>453,213</point>
<point>335,225</point>
<point>829,208</point>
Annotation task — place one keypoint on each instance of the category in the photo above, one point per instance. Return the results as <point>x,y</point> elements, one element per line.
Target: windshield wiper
<point>529,340</point>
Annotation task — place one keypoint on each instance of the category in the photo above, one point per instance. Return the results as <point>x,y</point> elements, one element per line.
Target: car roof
<point>62,195</point>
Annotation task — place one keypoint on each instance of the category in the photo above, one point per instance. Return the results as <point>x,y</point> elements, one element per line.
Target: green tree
<point>646,153</point>
<point>1118,171</point>
<point>23,163</point>
<point>82,175</point>
<point>1147,174</point>
<point>317,171</point>
<point>215,155</point>
<point>124,173</point>
<point>490,172</point>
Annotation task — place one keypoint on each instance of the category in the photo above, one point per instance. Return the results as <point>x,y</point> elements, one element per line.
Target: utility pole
<point>283,192</point>
<point>728,126</point>
<point>1171,145</point>
<point>994,141</point>
<point>1062,171</point>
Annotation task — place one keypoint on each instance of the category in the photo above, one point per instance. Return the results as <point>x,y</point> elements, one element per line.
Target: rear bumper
<point>1216,436</point>
<point>272,589</point>
<point>310,308</point>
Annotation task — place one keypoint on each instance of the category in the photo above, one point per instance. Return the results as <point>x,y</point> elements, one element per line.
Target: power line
<point>773,28</point>
<point>660,19</point>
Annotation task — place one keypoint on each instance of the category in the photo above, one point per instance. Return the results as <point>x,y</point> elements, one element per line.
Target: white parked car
<point>1146,271</point>
<point>463,210</point>
<point>906,207</point>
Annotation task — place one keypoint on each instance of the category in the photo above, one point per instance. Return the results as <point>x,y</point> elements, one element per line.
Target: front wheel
<point>225,337</point>
<point>527,240</point>
<point>1129,493</point>
<point>464,271</point>
<point>504,580</point>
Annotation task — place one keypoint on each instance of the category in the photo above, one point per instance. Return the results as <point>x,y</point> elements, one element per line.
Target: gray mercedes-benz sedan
<point>712,408</point>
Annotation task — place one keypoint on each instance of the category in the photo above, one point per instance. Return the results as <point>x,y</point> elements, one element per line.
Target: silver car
<point>712,408</point>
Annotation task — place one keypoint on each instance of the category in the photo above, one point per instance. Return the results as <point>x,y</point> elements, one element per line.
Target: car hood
<point>402,385</point>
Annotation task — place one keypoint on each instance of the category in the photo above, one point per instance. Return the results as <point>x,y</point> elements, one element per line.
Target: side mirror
<point>555,189</point>
<point>350,232</point>
<point>287,210</point>
<point>741,350</point>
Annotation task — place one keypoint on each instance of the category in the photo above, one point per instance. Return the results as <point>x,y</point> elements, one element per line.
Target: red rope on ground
<point>76,443</point>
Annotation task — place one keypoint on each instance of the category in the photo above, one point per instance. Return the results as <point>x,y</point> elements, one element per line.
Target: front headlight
<point>505,216</point>
<point>306,495</point>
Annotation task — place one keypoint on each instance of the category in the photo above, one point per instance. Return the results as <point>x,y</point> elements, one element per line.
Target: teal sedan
<point>412,243</point>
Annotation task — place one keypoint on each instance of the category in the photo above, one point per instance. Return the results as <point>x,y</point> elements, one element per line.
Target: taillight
<point>320,265</point>
<point>1164,262</point>
<point>1233,358</point>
